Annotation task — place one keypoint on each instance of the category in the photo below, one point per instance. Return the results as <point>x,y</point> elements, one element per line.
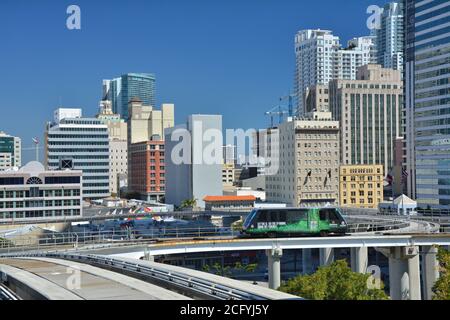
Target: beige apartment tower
<point>118,147</point>
<point>369,111</point>
<point>308,164</point>
<point>144,122</point>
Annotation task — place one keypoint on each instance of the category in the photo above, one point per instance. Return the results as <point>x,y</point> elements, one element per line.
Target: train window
<point>329,215</point>
<point>334,218</point>
<point>263,216</point>
<point>295,216</point>
<point>282,216</point>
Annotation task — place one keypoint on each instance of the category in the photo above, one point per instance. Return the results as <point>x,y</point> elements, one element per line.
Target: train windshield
<point>249,219</point>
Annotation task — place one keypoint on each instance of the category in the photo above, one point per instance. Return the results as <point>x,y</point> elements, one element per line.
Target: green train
<point>293,222</point>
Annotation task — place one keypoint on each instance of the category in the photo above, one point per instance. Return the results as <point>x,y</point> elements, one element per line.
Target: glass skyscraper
<point>428,101</point>
<point>131,85</point>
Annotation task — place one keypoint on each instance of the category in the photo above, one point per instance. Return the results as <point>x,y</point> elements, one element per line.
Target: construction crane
<point>290,98</point>
<point>273,113</point>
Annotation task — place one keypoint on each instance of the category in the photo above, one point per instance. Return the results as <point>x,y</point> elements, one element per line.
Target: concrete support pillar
<point>274,264</point>
<point>147,256</point>
<point>359,259</point>
<point>404,273</point>
<point>307,263</point>
<point>430,270</point>
<point>414,277</point>
<point>398,275</point>
<point>326,256</point>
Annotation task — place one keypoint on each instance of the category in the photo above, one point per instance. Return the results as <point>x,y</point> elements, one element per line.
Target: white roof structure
<point>404,200</point>
<point>34,168</point>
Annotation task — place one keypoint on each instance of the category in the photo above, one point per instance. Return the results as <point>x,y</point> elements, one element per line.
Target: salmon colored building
<point>147,169</point>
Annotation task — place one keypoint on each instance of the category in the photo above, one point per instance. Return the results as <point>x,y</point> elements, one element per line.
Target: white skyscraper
<point>390,36</point>
<point>195,176</point>
<point>320,59</point>
<point>74,142</point>
<point>314,51</point>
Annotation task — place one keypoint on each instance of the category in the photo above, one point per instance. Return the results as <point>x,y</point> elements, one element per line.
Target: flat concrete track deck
<point>85,282</point>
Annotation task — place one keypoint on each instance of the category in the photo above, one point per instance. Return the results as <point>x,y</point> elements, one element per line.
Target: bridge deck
<point>51,278</point>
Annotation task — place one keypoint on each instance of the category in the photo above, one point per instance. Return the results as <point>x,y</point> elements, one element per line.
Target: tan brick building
<point>361,186</point>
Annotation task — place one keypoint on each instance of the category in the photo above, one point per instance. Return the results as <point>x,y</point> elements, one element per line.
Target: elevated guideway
<point>368,241</point>
<point>165,280</point>
<point>55,279</point>
<point>403,251</point>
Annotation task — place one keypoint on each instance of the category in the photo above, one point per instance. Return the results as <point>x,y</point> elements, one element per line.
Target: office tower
<point>121,90</point>
<point>146,127</point>
<point>320,59</point>
<point>361,186</point>
<point>229,154</point>
<point>195,171</point>
<point>368,110</point>
<point>308,173</point>
<point>146,121</point>
<point>32,192</point>
<point>118,146</point>
<point>147,169</point>
<point>74,142</point>
<point>427,102</point>
<point>390,36</point>
<point>317,99</point>
<point>228,173</point>
<point>10,151</point>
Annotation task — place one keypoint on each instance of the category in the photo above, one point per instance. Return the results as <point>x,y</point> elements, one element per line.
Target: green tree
<point>441,288</point>
<point>189,203</point>
<point>334,282</point>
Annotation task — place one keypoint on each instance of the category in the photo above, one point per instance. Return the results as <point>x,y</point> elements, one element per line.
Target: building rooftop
<point>228,198</point>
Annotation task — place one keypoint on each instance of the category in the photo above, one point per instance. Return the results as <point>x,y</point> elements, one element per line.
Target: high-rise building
<point>359,52</point>
<point>317,99</point>
<point>146,121</point>
<point>369,112</point>
<point>315,51</point>
<point>428,102</point>
<point>193,164</point>
<point>31,192</point>
<point>228,172</point>
<point>131,85</point>
<point>118,145</point>
<point>320,59</point>
<point>10,151</point>
<point>308,173</point>
<point>230,154</point>
<point>147,169</point>
<point>361,186</point>
<point>74,142</point>
<point>146,127</point>
<point>390,36</point>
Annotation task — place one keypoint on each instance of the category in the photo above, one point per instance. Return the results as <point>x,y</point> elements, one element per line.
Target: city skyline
<point>197,72</point>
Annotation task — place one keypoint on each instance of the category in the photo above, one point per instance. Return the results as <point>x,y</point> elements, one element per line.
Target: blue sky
<point>231,57</point>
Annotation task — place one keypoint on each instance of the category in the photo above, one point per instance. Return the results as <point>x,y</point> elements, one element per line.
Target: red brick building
<point>147,169</point>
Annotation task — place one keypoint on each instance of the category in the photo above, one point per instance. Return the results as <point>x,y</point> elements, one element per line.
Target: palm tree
<point>190,203</point>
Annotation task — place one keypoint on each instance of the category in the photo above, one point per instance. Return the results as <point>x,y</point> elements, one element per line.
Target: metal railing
<point>6,294</point>
<point>72,240</point>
